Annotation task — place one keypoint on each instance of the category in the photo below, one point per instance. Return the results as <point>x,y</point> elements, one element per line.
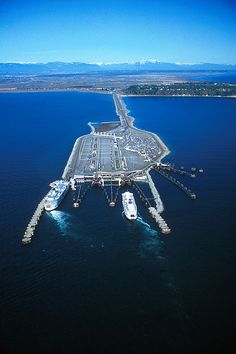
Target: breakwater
<point>29,232</point>
<point>70,166</point>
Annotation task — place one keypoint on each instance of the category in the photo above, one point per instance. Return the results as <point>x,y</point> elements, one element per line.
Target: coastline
<point>104,92</point>
<point>184,96</point>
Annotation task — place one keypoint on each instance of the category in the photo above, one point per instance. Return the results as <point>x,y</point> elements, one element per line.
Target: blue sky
<point>118,31</point>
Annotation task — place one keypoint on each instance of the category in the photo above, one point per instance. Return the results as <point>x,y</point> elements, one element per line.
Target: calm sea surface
<point>214,76</point>
<point>93,282</point>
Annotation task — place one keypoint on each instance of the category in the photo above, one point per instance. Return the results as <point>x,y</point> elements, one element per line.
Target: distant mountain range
<point>77,67</point>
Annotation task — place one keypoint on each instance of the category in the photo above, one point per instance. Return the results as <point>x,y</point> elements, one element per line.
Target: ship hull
<point>129,206</point>
<point>129,217</point>
<point>52,202</point>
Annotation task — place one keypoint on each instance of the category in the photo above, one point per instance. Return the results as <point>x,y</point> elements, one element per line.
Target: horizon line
<point>100,63</point>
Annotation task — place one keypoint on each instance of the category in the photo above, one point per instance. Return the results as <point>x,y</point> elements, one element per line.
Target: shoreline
<point>107,93</point>
<point>56,90</point>
<point>183,96</point>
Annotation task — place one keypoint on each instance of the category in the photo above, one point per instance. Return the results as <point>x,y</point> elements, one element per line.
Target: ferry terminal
<point>113,156</point>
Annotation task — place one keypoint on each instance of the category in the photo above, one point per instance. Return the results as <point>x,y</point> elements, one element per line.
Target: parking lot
<point>130,151</point>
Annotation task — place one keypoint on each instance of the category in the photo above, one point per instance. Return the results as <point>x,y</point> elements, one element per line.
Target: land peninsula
<point>144,78</point>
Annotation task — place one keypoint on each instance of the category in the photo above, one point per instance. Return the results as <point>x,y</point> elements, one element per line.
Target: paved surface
<point>122,149</point>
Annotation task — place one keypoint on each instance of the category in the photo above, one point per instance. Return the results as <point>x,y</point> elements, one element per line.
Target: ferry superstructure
<point>56,195</point>
<point>129,205</point>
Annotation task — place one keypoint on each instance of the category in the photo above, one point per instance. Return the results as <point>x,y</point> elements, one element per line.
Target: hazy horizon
<point>91,62</point>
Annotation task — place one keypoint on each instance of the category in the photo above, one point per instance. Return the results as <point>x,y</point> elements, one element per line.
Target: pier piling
<point>186,190</point>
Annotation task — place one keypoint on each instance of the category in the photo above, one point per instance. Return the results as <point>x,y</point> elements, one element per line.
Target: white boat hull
<point>129,205</point>
<point>55,196</point>
<point>130,217</point>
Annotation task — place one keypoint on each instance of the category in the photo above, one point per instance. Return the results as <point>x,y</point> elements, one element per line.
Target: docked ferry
<point>56,195</point>
<point>129,205</point>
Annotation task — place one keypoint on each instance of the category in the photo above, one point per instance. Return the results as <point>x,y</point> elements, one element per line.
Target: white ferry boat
<point>129,205</point>
<point>56,195</point>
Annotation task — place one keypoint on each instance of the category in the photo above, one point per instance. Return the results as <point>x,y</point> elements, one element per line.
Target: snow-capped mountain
<point>78,67</point>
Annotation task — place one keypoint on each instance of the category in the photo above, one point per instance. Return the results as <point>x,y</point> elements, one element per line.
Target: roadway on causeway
<point>121,150</point>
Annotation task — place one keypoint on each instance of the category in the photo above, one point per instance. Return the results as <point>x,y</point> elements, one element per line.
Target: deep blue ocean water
<point>214,76</point>
<point>93,282</point>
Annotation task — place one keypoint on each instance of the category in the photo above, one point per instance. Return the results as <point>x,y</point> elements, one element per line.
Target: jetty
<point>29,232</point>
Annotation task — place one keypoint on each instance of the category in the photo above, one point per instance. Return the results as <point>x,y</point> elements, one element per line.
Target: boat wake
<point>150,246</point>
<point>146,226</point>
<point>152,249</point>
<point>139,222</point>
<point>64,222</point>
